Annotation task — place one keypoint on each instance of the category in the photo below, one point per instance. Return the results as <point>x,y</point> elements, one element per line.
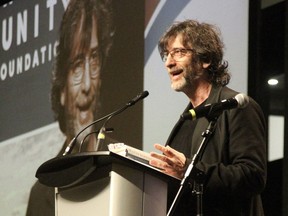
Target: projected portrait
<point>85,39</point>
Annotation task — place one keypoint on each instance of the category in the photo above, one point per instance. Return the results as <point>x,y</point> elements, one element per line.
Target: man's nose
<point>170,62</point>
<point>86,80</point>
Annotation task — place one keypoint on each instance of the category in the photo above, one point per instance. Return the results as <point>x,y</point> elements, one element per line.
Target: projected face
<point>81,93</point>
<point>183,72</point>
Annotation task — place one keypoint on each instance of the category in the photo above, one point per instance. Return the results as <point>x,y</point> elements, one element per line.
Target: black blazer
<point>234,160</point>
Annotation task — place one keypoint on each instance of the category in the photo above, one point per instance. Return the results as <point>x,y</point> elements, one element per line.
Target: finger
<point>166,168</point>
<point>172,162</point>
<point>159,147</point>
<point>156,155</point>
<point>167,156</point>
<point>157,163</point>
<point>178,157</point>
<point>167,150</point>
<point>172,152</point>
<point>161,159</point>
<point>169,162</point>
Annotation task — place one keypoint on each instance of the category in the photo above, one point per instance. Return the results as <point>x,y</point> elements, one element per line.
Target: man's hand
<point>171,161</point>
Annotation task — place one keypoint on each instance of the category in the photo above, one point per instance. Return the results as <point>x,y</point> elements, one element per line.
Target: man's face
<point>80,96</point>
<point>182,72</point>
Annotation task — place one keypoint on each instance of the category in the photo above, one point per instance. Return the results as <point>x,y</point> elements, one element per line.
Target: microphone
<point>102,133</point>
<point>139,97</point>
<point>101,136</point>
<point>215,109</point>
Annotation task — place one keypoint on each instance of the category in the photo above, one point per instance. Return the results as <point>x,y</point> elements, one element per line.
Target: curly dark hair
<point>76,12</point>
<point>205,40</point>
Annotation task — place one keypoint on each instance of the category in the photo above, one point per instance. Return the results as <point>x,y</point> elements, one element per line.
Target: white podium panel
<point>121,191</point>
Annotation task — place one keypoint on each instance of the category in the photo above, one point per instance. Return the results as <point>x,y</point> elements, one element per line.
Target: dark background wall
<point>272,63</point>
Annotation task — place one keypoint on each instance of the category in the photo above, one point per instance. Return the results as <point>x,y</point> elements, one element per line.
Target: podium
<point>105,183</point>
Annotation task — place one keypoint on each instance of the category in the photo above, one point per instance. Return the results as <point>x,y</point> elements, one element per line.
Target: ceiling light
<point>272,81</point>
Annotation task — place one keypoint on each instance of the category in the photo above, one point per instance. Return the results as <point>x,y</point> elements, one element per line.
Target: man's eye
<point>177,52</point>
<point>95,55</point>
<point>77,64</point>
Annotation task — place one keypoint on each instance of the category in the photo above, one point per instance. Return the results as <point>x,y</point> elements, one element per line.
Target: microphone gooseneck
<point>72,144</point>
<point>102,133</point>
<point>107,130</point>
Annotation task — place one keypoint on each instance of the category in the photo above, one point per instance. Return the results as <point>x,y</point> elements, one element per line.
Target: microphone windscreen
<point>242,100</point>
<point>144,94</point>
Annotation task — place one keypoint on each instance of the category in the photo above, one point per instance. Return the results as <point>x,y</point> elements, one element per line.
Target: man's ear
<point>205,65</point>
<point>63,96</point>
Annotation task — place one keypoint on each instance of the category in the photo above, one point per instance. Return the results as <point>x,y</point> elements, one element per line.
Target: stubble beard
<point>179,85</point>
<point>186,81</point>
